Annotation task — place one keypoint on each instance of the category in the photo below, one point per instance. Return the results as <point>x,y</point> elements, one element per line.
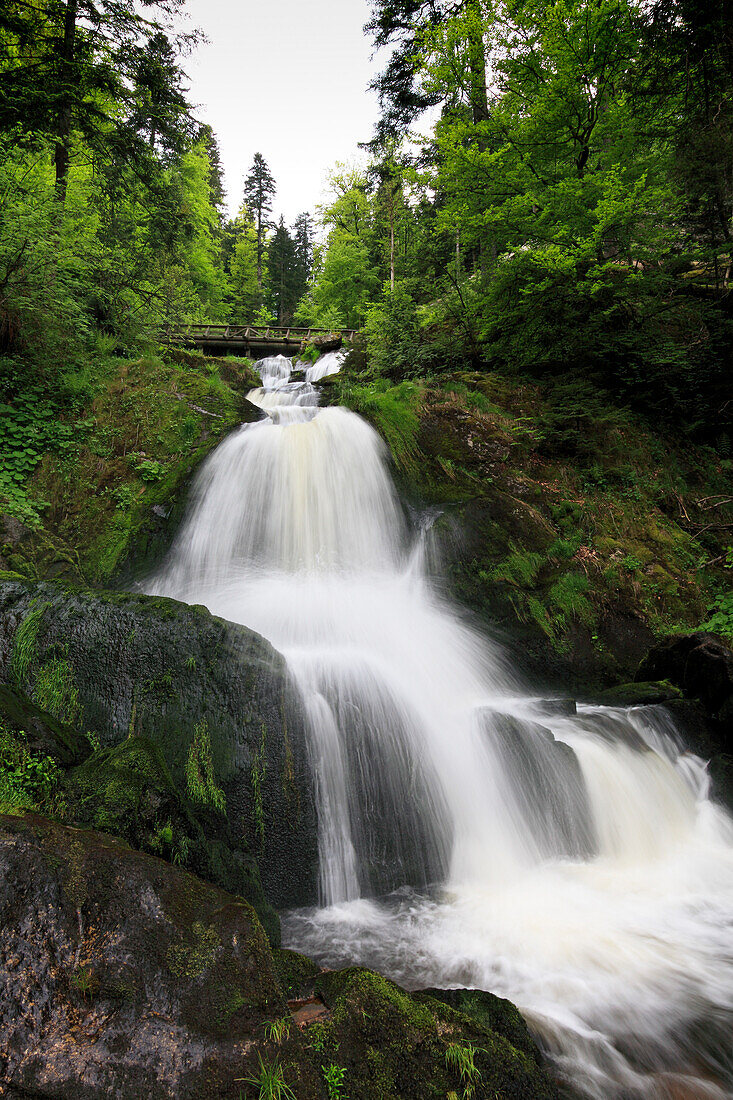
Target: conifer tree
<point>259,190</point>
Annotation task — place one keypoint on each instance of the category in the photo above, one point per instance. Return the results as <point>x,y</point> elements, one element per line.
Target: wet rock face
<point>42,733</point>
<point>702,666</point>
<point>132,666</point>
<point>122,976</point>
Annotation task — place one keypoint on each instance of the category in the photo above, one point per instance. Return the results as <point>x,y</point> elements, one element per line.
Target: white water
<point>469,835</point>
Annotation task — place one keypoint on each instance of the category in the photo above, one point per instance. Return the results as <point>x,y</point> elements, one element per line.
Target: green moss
<point>400,1046</point>
<point>296,973</point>
<point>191,960</point>
<point>646,692</point>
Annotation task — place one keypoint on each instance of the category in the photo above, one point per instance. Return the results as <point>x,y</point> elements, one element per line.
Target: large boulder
<point>421,1048</point>
<point>210,701</point>
<point>125,977</point>
<point>121,975</point>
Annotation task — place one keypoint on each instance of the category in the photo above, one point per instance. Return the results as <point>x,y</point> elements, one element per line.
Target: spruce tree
<point>281,267</point>
<point>259,190</point>
<point>82,69</point>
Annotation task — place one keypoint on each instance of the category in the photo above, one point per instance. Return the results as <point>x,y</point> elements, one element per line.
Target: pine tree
<point>216,175</point>
<point>281,266</point>
<point>302,234</point>
<point>81,72</point>
<point>259,190</point>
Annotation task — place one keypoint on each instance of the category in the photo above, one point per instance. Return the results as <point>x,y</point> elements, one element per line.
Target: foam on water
<point>469,834</point>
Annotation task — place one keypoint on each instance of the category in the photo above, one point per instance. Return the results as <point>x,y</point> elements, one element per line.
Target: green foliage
<point>278,1030</point>
<point>84,981</point>
<point>564,230</point>
<point>393,335</point>
<point>200,779</point>
<point>149,469</point>
<point>29,427</point>
<point>55,690</point>
<point>569,597</point>
<point>721,617</point>
<point>460,1058</point>
<point>245,292</point>
<point>26,637</point>
<point>335,1077</point>
<point>28,781</point>
<point>522,568</point>
<point>270,1082</point>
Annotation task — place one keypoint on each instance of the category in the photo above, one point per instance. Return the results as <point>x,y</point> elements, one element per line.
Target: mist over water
<point>469,834</point>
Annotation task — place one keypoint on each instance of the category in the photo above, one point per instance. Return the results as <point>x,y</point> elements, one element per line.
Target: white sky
<point>288,79</point>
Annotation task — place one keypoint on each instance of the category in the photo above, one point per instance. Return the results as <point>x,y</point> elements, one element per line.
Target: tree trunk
<point>391,241</point>
<point>477,66</point>
<point>479,103</point>
<point>259,247</point>
<point>63,129</point>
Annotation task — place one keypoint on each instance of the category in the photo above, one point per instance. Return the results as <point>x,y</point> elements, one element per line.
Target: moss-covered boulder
<point>208,701</point>
<point>643,693</point>
<point>396,1046</point>
<point>491,1012</point>
<point>123,976</point>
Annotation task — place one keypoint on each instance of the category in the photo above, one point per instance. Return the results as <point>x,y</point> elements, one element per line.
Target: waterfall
<point>470,834</point>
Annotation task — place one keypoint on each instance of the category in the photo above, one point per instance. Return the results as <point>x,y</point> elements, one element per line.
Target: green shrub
<point>721,618</point>
<point>394,344</point>
<point>28,781</point>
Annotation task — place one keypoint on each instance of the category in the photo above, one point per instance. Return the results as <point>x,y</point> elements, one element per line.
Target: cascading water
<point>468,834</point>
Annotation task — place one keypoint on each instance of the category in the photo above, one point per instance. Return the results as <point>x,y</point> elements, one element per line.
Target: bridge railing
<point>248,333</point>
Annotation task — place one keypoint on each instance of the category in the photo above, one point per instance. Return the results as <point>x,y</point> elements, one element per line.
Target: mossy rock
<point>396,1046</point>
<point>641,694</point>
<point>131,666</point>
<point>128,790</point>
<point>296,973</point>
<point>162,980</point>
<point>43,734</point>
<point>491,1012</point>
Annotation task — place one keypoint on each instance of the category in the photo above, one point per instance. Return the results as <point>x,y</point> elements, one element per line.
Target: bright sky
<point>288,79</point>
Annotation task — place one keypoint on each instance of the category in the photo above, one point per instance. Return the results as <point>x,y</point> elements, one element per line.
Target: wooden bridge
<point>256,340</point>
